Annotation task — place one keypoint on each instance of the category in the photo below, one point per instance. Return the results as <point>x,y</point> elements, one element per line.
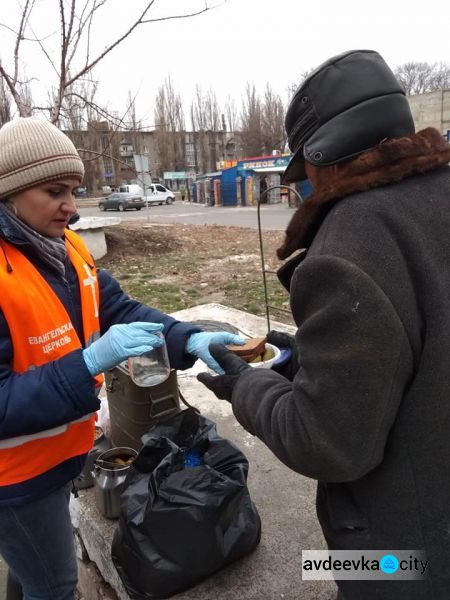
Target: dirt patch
<point>149,241</point>
<point>183,265</point>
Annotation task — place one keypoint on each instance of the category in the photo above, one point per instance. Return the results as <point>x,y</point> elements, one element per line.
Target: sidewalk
<point>85,202</point>
<point>285,501</point>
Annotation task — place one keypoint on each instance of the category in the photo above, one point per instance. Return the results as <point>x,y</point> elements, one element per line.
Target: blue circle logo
<point>389,563</point>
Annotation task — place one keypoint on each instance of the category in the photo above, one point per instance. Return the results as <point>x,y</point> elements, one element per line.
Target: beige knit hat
<point>33,151</point>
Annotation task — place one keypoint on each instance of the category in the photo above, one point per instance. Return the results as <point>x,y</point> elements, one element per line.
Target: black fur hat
<point>348,105</point>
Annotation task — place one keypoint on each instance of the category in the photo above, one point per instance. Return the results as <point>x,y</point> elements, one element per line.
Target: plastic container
<point>133,409</point>
<point>151,368</point>
<point>285,356</point>
<point>266,364</point>
<point>109,478</point>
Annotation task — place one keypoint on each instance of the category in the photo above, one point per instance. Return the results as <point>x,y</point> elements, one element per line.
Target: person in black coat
<point>363,407</point>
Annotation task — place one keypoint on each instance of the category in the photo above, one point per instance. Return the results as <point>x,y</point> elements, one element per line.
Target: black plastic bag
<point>180,524</point>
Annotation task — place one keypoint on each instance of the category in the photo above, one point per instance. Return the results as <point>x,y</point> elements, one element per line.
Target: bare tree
<point>5,103</point>
<point>208,129</point>
<point>198,112</point>
<point>79,106</point>
<point>199,128</point>
<point>82,119</point>
<point>162,130</point>
<point>79,21</point>
<point>231,114</point>
<point>421,77</point>
<point>441,77</point>
<point>169,128</point>
<point>251,122</point>
<point>213,125</point>
<point>194,137</point>
<point>272,122</point>
<point>212,111</point>
<point>134,124</point>
<point>293,87</point>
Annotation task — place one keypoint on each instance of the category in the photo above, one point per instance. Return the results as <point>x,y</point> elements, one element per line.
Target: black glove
<point>222,385</point>
<point>285,340</point>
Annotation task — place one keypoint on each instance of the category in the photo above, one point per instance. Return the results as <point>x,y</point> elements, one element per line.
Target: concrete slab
<point>285,500</point>
<point>91,230</point>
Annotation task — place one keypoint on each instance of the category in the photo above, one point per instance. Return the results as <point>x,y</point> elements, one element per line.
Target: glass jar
<point>151,368</point>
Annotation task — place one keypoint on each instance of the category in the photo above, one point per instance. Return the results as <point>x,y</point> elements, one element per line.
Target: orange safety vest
<point>41,331</point>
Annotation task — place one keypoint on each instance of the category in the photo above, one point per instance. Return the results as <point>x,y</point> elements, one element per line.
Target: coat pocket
<point>338,511</point>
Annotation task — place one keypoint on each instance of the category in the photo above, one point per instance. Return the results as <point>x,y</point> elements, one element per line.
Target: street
<point>274,216</point>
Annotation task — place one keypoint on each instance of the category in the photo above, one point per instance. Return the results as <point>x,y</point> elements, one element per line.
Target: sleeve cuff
<point>78,381</point>
<point>176,340</point>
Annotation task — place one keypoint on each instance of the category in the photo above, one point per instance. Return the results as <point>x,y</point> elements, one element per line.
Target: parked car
<point>121,201</point>
<point>80,192</point>
<point>157,193</point>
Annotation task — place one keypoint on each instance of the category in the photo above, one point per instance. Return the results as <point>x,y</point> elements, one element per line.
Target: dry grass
<point>172,267</point>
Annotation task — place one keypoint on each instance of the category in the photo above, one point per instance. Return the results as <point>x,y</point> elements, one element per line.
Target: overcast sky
<point>240,40</point>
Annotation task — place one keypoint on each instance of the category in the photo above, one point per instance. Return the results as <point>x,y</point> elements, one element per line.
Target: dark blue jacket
<point>63,390</point>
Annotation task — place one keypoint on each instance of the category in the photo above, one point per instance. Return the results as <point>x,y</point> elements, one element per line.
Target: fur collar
<point>388,163</point>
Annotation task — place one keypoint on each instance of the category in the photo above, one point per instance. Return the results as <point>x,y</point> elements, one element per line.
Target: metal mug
<point>101,444</point>
<point>109,478</point>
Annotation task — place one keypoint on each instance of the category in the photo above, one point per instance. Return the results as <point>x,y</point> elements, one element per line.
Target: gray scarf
<point>51,251</point>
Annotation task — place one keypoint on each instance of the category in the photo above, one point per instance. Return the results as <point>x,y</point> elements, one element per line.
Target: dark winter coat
<point>63,391</point>
<point>368,412</point>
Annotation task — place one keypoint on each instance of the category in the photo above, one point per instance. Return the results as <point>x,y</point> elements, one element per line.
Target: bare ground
<point>175,266</point>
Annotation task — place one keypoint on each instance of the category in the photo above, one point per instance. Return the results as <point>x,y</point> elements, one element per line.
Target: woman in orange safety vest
<point>62,324</point>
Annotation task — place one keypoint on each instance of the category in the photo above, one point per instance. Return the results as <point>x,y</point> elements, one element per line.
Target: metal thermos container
<point>109,479</point>
<point>133,410</point>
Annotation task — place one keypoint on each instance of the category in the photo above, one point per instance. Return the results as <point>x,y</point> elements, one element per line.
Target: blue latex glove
<point>120,342</point>
<point>198,345</point>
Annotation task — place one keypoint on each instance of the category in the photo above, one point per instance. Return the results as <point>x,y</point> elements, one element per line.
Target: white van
<point>159,194</point>
<point>131,189</point>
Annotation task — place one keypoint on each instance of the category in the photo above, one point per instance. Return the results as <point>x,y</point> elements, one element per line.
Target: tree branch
<point>69,32</point>
<point>114,158</point>
<point>83,20</point>
<point>111,46</point>
<point>27,39</point>
<point>186,16</point>
<point>23,22</point>
<point>43,108</point>
<point>44,51</point>
<point>14,93</point>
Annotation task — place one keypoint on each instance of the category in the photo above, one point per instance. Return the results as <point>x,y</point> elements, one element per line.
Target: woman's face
<point>47,208</point>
